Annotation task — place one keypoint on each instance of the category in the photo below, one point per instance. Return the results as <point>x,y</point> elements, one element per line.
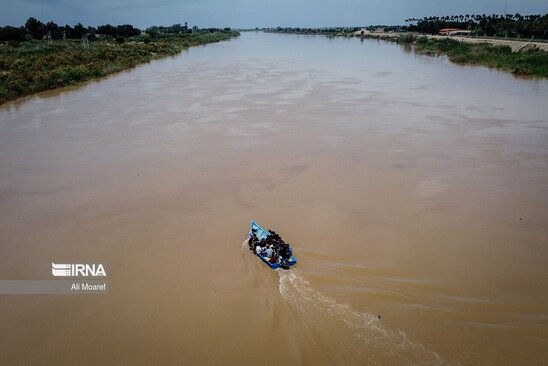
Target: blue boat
<point>262,234</point>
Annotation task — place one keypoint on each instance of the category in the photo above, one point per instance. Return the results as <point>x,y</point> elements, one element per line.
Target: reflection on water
<point>411,189</point>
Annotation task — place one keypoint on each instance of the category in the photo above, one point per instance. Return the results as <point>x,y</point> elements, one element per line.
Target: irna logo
<point>78,270</point>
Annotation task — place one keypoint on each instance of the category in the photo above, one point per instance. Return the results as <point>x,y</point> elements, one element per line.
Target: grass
<point>34,66</point>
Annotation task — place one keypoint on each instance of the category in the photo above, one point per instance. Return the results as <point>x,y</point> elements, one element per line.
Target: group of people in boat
<point>273,247</point>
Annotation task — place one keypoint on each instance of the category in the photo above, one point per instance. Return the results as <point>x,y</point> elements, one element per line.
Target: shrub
<point>523,69</point>
<point>422,40</point>
<point>408,38</point>
<point>14,44</point>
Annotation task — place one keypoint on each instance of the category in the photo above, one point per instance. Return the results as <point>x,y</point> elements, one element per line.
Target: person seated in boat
<point>258,243</point>
<point>252,240</point>
<point>258,248</point>
<point>282,252</point>
<point>274,235</point>
<point>268,252</point>
<point>261,250</point>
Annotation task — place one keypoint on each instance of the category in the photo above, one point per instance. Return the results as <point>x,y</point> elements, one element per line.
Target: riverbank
<point>34,66</point>
<point>514,44</point>
<point>525,58</point>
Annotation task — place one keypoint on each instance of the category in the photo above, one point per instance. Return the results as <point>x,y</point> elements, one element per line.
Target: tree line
<point>35,29</point>
<point>181,29</point>
<point>510,25</point>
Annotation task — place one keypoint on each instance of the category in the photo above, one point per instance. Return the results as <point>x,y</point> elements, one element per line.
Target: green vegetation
<point>509,25</point>
<point>531,62</point>
<point>35,29</point>
<point>32,65</point>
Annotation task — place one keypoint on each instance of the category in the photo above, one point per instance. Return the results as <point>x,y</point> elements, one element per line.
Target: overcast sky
<point>251,13</point>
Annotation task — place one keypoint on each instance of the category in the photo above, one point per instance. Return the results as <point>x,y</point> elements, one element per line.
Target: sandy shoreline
<point>515,45</point>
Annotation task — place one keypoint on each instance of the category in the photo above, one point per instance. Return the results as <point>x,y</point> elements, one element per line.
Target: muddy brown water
<point>410,188</point>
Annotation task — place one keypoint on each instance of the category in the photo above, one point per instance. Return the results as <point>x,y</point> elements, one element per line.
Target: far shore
<point>520,57</point>
<point>515,44</point>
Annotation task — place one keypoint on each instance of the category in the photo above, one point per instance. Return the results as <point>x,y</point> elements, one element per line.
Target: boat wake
<point>371,340</point>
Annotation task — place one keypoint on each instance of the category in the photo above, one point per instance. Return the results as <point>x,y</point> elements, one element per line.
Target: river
<point>414,192</point>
